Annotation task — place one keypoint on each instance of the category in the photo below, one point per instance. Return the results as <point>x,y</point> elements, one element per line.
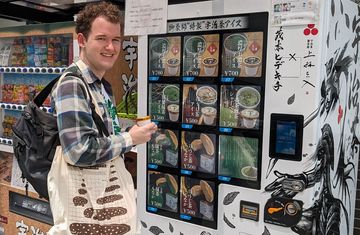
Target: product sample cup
<point>210,66</point>
<point>249,117</point>
<point>252,64</point>
<point>141,121</point>
<point>209,115</point>
<point>173,110</point>
<point>173,66</point>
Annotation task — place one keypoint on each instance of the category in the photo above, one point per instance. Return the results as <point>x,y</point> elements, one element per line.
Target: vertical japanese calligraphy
<point>129,46</point>
<point>279,38</point>
<point>23,229</point>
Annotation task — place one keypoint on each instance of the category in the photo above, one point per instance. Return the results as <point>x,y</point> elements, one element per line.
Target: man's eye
<point>101,39</point>
<point>116,41</point>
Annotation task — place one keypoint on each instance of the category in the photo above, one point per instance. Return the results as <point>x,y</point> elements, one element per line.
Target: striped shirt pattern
<point>79,136</point>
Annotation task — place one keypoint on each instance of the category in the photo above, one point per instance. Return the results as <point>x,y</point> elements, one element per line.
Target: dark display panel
<point>198,152</point>
<point>200,104</point>
<point>164,56</point>
<point>163,148</point>
<point>238,157</point>
<point>242,54</point>
<point>209,110</point>
<point>163,191</point>
<point>201,55</point>
<point>197,198</point>
<point>240,106</point>
<point>164,102</point>
<point>286,136</point>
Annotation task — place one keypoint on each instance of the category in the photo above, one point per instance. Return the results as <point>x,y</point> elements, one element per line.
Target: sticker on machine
<point>294,12</point>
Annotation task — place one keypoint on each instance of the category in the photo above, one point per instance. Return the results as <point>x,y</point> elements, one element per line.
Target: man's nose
<point>110,46</point>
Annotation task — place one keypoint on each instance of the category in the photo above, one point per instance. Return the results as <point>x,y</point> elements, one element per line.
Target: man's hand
<point>142,134</point>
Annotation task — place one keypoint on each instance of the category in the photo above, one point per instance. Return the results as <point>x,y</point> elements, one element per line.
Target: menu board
<point>164,102</point>
<point>242,54</point>
<point>163,148</point>
<point>240,106</point>
<point>197,198</point>
<point>206,94</point>
<point>163,191</point>
<point>164,56</point>
<point>198,151</point>
<point>201,55</point>
<point>200,104</point>
<point>238,162</point>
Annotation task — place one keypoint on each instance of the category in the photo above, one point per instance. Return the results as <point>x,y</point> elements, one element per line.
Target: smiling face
<point>102,46</point>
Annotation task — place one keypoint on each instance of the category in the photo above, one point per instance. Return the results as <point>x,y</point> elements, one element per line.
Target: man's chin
<point>107,66</point>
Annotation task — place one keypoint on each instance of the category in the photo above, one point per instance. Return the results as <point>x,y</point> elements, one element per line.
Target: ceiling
<point>48,11</point>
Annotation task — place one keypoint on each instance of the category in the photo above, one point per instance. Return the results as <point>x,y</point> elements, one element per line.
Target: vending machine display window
<point>163,148</point>
<point>164,56</point>
<point>240,106</point>
<point>163,191</point>
<point>242,54</point>
<point>201,55</point>
<point>164,102</point>
<point>198,152</point>
<point>200,104</point>
<point>197,198</point>
<point>286,136</point>
<point>238,157</point>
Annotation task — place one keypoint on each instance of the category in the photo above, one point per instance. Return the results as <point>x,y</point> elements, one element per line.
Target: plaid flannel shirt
<point>79,136</point>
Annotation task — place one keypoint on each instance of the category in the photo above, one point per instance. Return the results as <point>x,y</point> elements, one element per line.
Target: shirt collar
<point>89,76</point>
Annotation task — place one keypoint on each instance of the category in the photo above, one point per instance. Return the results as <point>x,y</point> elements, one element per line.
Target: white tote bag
<point>91,200</point>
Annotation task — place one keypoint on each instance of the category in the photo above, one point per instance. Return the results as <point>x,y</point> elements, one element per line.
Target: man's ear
<point>81,40</point>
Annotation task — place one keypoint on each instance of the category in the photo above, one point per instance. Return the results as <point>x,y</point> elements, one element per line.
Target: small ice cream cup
<point>141,121</point>
<point>252,64</point>
<point>249,117</point>
<point>210,66</point>
<point>209,115</point>
<point>173,110</point>
<point>173,66</point>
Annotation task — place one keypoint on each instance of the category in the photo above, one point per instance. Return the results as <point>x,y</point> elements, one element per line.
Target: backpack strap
<point>44,93</point>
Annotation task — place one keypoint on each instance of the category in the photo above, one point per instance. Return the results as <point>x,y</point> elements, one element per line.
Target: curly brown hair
<point>91,11</point>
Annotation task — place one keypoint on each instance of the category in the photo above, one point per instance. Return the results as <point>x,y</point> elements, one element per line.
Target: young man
<point>98,34</point>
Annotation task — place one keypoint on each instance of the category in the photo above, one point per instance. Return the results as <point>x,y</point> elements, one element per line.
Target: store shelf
<point>6,148</point>
<point>33,70</point>
<point>6,145</point>
<point>19,107</point>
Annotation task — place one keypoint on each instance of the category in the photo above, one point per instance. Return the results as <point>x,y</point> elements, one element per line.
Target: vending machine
<point>30,57</point>
<point>258,114</point>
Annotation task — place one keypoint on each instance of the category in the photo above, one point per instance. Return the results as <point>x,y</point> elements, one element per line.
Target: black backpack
<point>36,136</point>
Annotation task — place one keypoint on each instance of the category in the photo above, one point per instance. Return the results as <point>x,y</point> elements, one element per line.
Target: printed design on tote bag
<point>87,229</point>
<point>106,213</point>
<point>103,213</point>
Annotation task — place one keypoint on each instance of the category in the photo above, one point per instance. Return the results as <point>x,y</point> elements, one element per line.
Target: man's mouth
<point>107,55</point>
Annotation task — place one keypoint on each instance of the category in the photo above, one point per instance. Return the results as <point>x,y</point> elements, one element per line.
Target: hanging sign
<point>144,17</point>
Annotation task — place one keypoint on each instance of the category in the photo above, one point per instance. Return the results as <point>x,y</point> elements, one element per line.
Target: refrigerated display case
<point>30,57</point>
<point>204,115</point>
<point>257,110</point>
